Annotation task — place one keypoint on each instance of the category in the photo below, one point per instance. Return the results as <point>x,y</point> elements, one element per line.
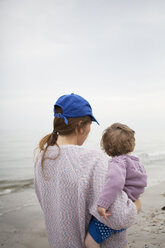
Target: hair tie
<point>55,132</point>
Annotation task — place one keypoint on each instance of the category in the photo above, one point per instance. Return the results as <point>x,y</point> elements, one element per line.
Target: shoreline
<point>8,187</point>
<point>22,224</point>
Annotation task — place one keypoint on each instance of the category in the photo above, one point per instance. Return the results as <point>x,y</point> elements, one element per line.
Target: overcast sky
<point>110,52</point>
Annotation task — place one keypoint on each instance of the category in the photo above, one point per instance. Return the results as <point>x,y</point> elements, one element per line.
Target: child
<point>125,172</point>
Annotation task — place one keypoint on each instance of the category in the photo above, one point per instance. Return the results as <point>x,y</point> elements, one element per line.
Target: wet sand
<point>149,230</point>
<point>22,224</point>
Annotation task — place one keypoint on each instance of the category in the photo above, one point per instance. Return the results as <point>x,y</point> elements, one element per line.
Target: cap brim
<point>94,119</point>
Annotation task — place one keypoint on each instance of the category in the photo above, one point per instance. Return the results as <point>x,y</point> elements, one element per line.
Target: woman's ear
<point>79,127</point>
<point>80,123</point>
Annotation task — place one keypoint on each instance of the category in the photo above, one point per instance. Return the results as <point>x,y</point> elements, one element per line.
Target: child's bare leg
<point>90,242</point>
<point>127,246</point>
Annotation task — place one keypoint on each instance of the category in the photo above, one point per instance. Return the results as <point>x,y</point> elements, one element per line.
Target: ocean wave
<point>152,157</point>
<point>10,186</point>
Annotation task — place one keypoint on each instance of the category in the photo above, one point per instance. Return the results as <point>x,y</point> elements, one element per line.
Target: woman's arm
<point>123,210</point>
<point>123,213</point>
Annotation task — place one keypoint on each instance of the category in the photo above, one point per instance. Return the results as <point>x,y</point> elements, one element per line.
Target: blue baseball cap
<point>73,106</point>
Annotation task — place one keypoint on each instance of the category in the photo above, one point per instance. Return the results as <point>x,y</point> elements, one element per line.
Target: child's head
<point>118,139</point>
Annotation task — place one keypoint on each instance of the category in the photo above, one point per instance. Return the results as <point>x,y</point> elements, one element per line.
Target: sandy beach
<point>22,224</point>
<point>149,230</point>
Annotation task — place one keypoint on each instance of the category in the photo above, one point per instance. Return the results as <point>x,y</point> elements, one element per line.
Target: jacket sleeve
<point>123,211</point>
<point>114,183</point>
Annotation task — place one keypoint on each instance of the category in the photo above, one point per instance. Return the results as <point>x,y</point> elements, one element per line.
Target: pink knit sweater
<point>69,194</point>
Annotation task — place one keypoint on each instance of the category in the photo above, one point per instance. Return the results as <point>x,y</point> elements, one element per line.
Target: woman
<point>69,179</point>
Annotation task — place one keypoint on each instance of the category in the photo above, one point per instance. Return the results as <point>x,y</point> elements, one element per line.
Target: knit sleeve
<point>114,183</point>
<point>123,210</point>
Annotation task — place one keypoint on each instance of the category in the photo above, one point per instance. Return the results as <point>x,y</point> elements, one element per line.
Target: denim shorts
<point>101,232</point>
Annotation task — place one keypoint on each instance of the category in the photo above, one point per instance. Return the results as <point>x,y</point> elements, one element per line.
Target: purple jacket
<point>126,173</point>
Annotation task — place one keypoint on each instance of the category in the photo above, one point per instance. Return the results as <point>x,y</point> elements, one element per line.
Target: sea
<point>17,158</point>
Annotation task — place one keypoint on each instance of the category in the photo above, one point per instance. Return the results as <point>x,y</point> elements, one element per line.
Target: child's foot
<point>90,242</point>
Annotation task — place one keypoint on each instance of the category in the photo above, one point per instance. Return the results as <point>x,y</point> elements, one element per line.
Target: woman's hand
<point>138,205</point>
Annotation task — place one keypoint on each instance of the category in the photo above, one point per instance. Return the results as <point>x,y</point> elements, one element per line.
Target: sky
<point>110,52</point>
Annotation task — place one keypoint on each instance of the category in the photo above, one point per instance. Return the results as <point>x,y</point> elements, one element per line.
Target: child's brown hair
<point>118,139</point>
